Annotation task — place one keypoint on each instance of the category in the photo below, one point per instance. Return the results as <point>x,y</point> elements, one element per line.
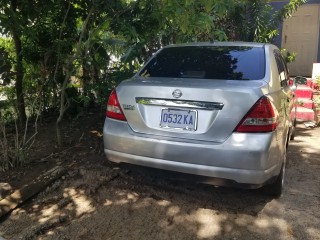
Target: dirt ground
<point>97,199</point>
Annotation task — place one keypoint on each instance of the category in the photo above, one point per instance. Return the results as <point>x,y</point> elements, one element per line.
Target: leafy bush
<point>288,56</point>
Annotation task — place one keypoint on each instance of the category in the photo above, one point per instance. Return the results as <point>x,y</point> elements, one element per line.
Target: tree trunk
<point>85,78</point>
<point>19,70</point>
<point>19,82</point>
<point>63,102</point>
<point>63,97</point>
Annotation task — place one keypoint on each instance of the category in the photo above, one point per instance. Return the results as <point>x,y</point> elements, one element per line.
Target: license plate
<point>179,119</point>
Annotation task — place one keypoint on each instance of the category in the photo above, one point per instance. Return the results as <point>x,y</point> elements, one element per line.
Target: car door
<point>286,94</point>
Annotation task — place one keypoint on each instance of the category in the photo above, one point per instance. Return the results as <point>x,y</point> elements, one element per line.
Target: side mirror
<point>301,80</point>
<point>292,83</point>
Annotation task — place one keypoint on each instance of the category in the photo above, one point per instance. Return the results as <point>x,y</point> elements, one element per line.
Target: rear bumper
<point>225,175</point>
<point>243,158</point>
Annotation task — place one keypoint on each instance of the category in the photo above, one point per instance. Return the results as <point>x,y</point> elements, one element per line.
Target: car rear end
<point>203,109</point>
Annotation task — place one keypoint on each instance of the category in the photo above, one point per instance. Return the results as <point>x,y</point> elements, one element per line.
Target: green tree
<point>256,20</point>
<point>11,24</point>
<point>56,40</point>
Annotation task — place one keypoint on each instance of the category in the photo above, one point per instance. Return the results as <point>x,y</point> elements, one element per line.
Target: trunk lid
<point>209,110</point>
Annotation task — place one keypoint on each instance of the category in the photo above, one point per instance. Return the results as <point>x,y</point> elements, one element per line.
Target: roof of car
<point>201,44</point>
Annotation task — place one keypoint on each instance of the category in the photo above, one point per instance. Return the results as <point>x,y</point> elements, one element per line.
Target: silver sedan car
<point>222,110</point>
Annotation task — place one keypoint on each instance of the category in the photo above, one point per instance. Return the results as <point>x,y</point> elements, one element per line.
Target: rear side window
<point>208,62</point>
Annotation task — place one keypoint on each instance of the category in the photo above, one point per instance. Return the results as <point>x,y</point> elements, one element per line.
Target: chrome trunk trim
<point>180,103</point>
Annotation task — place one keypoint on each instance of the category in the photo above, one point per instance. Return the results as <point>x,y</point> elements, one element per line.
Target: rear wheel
<point>293,129</point>
<point>275,189</point>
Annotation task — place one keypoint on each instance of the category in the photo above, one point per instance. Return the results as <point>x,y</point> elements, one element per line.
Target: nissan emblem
<point>177,93</point>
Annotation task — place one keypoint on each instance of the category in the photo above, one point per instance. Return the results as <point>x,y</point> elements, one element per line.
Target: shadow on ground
<point>100,200</point>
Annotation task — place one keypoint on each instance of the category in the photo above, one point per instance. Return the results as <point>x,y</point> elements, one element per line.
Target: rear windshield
<point>208,62</point>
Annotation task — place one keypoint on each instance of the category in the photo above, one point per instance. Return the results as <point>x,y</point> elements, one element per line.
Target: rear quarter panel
<point>281,98</point>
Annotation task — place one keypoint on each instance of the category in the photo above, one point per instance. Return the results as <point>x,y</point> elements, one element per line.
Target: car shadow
<point>196,189</point>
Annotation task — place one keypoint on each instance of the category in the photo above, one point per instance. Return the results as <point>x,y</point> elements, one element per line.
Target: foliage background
<point>63,57</point>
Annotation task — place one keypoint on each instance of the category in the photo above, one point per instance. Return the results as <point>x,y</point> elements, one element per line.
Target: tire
<point>293,130</point>
<point>275,189</point>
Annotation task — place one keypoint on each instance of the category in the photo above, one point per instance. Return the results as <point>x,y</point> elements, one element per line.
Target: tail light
<point>113,107</point>
<point>260,118</point>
